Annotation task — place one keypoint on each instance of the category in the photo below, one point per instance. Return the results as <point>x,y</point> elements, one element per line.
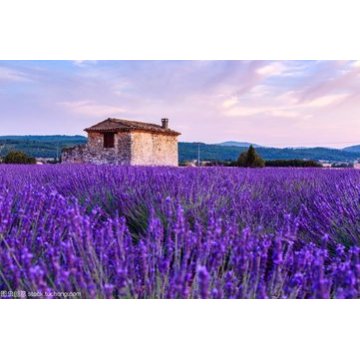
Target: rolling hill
<point>39,146</point>
<point>50,147</point>
<point>188,151</point>
<point>355,148</point>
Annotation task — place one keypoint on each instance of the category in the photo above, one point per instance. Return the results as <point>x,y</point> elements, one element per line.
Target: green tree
<point>18,157</point>
<point>250,158</point>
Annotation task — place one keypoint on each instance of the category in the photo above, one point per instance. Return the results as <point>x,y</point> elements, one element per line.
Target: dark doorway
<point>109,140</point>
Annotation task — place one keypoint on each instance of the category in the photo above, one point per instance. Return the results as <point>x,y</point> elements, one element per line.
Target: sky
<point>271,103</point>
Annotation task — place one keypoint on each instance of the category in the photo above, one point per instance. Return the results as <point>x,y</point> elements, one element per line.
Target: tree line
<point>252,159</point>
<point>249,159</point>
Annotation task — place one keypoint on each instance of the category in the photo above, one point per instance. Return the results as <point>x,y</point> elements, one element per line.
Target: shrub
<point>250,158</point>
<point>18,157</point>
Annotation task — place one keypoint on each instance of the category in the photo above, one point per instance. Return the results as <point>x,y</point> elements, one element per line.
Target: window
<point>109,140</point>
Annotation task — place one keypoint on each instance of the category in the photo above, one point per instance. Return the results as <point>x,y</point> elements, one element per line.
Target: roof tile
<point>129,125</point>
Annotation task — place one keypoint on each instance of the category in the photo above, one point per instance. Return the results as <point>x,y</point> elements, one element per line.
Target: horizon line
<point>280,146</point>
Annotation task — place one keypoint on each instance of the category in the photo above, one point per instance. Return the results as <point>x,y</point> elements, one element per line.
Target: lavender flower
<point>138,232</point>
<point>203,279</point>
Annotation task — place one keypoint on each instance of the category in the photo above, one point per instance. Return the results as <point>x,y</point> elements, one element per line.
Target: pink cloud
<point>91,109</point>
<point>211,101</point>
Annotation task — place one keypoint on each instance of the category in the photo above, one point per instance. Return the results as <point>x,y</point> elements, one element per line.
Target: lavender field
<point>121,232</point>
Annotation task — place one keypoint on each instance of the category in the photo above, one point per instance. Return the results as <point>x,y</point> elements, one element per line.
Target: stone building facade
<point>124,142</point>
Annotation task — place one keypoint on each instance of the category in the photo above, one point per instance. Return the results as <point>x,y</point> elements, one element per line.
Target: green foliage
<point>251,159</point>
<point>51,146</point>
<point>242,159</point>
<point>18,157</point>
<point>188,152</point>
<point>292,163</point>
<point>39,146</point>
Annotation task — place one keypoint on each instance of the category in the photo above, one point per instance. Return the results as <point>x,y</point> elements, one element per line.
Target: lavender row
<point>119,232</point>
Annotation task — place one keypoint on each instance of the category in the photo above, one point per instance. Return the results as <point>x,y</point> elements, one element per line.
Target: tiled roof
<point>109,125</point>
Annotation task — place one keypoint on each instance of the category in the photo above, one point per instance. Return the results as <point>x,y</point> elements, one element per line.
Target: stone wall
<point>74,155</point>
<point>154,149</point>
<point>135,148</point>
<point>95,153</point>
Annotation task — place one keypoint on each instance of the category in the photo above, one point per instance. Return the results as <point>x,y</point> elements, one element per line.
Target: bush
<point>18,157</point>
<point>250,158</point>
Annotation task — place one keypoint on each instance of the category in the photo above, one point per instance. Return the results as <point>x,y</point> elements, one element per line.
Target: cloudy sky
<point>276,103</point>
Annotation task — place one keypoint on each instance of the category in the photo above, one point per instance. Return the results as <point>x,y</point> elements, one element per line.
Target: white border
<point>188,329</point>
<point>174,29</point>
<point>196,29</point>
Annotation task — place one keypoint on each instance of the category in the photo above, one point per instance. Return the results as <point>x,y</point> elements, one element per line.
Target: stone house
<point>125,142</point>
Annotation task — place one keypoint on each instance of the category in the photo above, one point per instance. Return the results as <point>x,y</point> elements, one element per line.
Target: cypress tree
<point>250,158</point>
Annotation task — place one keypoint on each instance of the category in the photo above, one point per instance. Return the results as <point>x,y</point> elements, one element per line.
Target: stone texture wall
<point>74,155</point>
<point>154,149</point>
<point>135,148</point>
<point>95,153</point>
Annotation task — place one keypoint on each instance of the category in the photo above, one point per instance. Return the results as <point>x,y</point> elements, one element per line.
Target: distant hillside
<point>50,146</point>
<point>188,151</point>
<point>39,146</point>
<point>237,143</point>
<point>355,148</point>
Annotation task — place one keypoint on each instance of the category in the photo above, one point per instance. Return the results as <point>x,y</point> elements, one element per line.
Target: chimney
<point>165,123</point>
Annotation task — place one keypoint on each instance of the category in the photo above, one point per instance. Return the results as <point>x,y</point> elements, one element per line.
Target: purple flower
<point>129,232</point>
<point>203,280</point>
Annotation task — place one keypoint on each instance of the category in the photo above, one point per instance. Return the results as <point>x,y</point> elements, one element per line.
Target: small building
<point>125,142</point>
<point>325,164</point>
